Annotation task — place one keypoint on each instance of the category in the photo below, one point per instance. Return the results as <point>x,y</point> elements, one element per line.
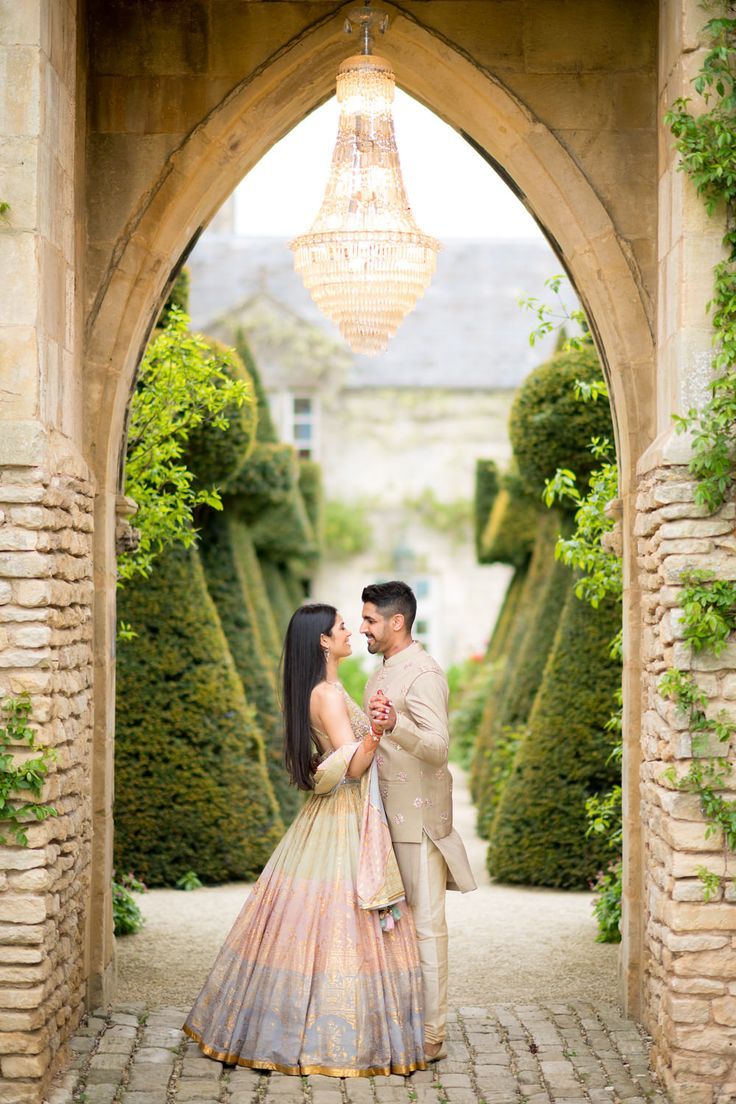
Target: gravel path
<point>506,944</point>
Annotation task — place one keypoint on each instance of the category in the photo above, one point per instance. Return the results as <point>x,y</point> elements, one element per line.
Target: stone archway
<point>191,185</point>
<point>139,120</point>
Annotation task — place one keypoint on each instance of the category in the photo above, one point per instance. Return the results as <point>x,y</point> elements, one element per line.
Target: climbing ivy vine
<point>706,143</point>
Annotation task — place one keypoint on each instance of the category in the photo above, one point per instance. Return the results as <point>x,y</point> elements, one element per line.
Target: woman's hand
<point>382,713</point>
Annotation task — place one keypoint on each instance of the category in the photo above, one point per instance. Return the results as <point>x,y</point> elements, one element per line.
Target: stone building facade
<point>124,128</point>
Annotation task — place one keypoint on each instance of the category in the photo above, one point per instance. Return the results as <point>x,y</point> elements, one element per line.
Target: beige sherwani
<point>416,786</point>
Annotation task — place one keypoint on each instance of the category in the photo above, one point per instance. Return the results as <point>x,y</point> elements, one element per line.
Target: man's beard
<point>372,646</point>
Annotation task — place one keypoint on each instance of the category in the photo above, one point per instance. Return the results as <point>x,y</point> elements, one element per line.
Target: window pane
<point>302,406</point>
<point>302,432</point>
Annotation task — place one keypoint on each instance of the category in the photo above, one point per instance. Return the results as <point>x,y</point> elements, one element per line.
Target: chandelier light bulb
<point>365,262</point>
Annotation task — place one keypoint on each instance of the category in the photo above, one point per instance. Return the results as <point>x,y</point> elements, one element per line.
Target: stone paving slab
<point>576,1053</point>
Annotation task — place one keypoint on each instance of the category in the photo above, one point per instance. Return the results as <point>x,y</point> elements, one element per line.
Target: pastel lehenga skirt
<point>306,981</point>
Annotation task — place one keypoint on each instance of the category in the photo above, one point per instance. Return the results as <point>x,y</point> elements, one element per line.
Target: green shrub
<point>550,427</point>
<point>608,888</point>
<point>227,582</point>
<point>269,634</point>
<point>495,659</point>
<point>266,431</point>
<point>538,835</point>
<point>466,709</point>
<point>127,917</point>
<point>347,529</point>
<point>284,530</point>
<point>268,477</point>
<point>310,485</point>
<point>486,489</point>
<point>496,715</point>
<point>177,298</point>
<point>512,526</point>
<point>192,790</point>
<point>294,584</point>
<point>214,456</point>
<point>278,596</point>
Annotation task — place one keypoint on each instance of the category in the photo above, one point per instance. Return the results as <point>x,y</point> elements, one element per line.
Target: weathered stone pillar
<point>45,535</point>
<point>690,975</point>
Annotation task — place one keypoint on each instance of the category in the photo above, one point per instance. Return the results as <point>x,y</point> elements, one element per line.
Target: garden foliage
<point>192,790</point>
<point>486,489</point>
<point>512,525</point>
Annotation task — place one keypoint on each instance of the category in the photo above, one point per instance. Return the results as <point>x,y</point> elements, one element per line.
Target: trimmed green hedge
<point>278,595</point>
<point>268,632</point>
<point>284,530</point>
<point>266,432</point>
<point>267,478</point>
<point>228,583</point>
<point>494,660</point>
<point>550,428</point>
<point>192,789</point>
<point>512,526</point>
<point>496,714</point>
<point>310,485</point>
<point>214,455</point>
<point>486,490</point>
<point>539,832</point>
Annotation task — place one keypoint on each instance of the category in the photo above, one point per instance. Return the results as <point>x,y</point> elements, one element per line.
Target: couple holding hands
<point>337,963</point>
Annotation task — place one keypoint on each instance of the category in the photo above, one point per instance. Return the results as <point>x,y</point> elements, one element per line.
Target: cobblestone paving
<point>575,1053</point>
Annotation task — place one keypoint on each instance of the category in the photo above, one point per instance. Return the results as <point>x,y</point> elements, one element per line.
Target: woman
<point>308,980</point>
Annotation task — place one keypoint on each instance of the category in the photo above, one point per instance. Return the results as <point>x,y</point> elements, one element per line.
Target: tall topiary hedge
<point>310,485</point>
<point>192,789</point>
<point>538,835</point>
<point>228,584</point>
<point>266,430</point>
<point>512,526</point>
<point>486,489</point>
<point>496,713</point>
<point>550,427</point>
<point>215,454</point>
<point>284,530</point>
<point>494,660</point>
<point>267,478</point>
<point>268,631</point>
<point>278,595</point>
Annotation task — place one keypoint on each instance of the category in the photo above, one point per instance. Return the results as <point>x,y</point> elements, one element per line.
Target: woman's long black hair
<point>304,666</point>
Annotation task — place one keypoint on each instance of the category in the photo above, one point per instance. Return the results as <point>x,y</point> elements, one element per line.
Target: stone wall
<point>46,651</point>
<point>690,957</point>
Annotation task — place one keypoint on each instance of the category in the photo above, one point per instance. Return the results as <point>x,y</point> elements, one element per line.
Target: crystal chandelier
<point>365,261</point>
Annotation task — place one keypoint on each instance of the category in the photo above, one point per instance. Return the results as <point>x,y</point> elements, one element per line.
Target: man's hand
<point>382,713</point>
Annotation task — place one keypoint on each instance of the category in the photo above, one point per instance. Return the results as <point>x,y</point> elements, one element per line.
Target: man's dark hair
<point>391,598</point>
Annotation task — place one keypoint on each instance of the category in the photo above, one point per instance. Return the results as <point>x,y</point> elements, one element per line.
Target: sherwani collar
<point>401,657</point>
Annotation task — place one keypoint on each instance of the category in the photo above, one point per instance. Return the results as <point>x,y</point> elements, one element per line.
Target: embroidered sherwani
<point>416,786</point>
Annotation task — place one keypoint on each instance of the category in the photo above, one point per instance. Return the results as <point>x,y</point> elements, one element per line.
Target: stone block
<point>22,909</point>
<point>32,592</point>
<point>716,964</point>
<point>20,858</point>
<point>21,998</point>
<point>27,1065</point>
<point>688,1009</point>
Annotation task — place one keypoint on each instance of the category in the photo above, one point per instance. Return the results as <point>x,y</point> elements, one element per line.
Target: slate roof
<point>467,332</point>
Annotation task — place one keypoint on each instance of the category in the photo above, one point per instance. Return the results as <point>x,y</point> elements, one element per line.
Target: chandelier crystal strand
<point>365,261</point>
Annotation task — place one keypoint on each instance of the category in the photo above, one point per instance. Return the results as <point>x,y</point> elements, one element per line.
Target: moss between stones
<point>192,789</point>
<point>230,587</point>
<point>538,835</point>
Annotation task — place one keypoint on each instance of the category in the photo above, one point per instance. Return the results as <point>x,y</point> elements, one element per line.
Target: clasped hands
<point>382,713</point>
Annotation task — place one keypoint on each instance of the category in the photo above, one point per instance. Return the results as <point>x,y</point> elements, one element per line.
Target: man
<point>406,698</point>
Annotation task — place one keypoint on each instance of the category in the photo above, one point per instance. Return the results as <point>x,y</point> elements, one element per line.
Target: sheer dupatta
<point>379,884</point>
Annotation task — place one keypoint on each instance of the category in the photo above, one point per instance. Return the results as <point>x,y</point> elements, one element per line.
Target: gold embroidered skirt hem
<point>301,1071</point>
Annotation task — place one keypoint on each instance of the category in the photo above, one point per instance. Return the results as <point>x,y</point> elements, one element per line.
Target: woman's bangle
<point>376,734</point>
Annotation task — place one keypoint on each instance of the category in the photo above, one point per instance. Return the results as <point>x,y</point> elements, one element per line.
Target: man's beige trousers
<point>424,873</point>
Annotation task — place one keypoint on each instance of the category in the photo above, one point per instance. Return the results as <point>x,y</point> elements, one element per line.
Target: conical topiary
<point>228,585</point>
<point>278,595</point>
<point>512,525</point>
<point>192,789</point>
<point>538,835</point>
<point>550,427</point>
<point>494,715</point>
